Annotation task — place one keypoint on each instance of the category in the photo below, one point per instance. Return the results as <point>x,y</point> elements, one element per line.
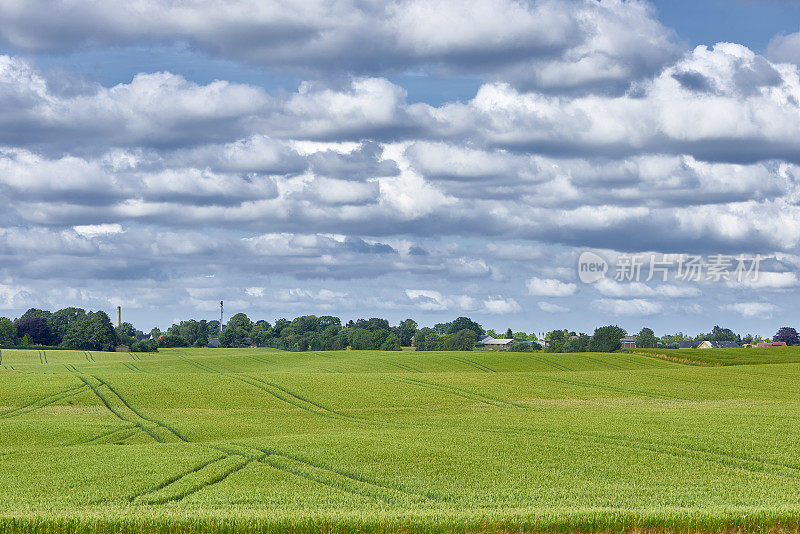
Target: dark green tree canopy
<point>606,339</point>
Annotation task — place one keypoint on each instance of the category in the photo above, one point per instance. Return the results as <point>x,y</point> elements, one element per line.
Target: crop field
<point>259,440</point>
<point>749,356</point>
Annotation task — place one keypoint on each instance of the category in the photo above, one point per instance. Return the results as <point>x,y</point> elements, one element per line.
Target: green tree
<point>646,338</point>
<point>60,321</point>
<point>8,334</point>
<point>606,339</point>
<point>464,323</point>
<point>237,332</point>
<point>520,346</point>
<point>406,331</point>
<point>101,333</point>
<point>509,334</point>
<point>579,344</point>
<point>361,339</point>
<point>392,342</point>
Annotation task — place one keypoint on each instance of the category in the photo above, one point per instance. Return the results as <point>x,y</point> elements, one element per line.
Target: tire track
<point>404,367</point>
<point>542,359</point>
<point>176,478</point>
<point>710,455</point>
<point>198,365</point>
<point>353,477</point>
<point>289,398</point>
<point>139,414</point>
<point>241,464</point>
<point>602,363</point>
<point>108,433</point>
<point>132,367</point>
<point>460,392</point>
<point>282,393</point>
<point>615,389</point>
<point>41,402</point>
<point>107,404</point>
<point>474,364</point>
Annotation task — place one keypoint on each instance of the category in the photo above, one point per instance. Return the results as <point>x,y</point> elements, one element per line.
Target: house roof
<point>723,344</point>
<point>213,342</point>
<point>628,339</point>
<point>497,341</point>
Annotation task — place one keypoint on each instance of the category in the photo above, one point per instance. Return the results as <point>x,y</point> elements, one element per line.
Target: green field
<point>242,440</point>
<point>749,356</point>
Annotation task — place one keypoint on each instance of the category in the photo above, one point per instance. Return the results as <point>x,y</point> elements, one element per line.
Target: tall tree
<point>8,334</point>
<point>60,321</point>
<point>606,339</point>
<point>646,338</point>
<point>406,331</point>
<point>464,323</point>
<point>35,327</point>
<point>788,335</point>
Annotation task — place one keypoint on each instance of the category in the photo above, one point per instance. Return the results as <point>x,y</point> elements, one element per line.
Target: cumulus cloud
<point>760,310</point>
<point>549,44</point>
<point>616,307</point>
<point>549,287</point>
<point>501,306</point>
<point>590,129</point>
<point>549,307</point>
<point>611,288</point>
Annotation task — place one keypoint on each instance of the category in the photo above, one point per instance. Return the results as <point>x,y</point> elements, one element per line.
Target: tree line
<point>75,328</point>
<point>70,328</point>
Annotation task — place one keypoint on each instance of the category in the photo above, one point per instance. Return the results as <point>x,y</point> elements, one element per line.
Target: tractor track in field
<point>198,365</point>
<point>616,389</point>
<point>404,367</point>
<point>139,414</point>
<point>132,367</point>
<point>260,359</point>
<point>107,404</point>
<point>175,478</point>
<point>553,364</point>
<point>287,396</point>
<point>41,402</point>
<point>461,392</point>
<point>107,434</point>
<point>602,363</point>
<point>88,355</point>
<point>279,392</point>
<point>743,462</point>
<point>704,384</point>
<point>353,477</point>
<point>476,365</point>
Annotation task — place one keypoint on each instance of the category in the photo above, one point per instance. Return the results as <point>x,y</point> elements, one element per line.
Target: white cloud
<point>611,288</point>
<point>94,230</point>
<point>550,287</point>
<point>767,280</point>
<point>616,307</point>
<point>549,307</point>
<point>760,310</point>
<point>550,43</point>
<point>501,306</point>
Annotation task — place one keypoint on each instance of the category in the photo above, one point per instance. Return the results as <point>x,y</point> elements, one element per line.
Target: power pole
<point>220,317</point>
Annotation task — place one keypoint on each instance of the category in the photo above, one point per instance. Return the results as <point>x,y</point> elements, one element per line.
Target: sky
<point>404,159</point>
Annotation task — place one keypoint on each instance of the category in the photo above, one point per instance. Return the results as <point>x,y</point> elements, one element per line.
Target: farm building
<point>718,345</point>
<point>496,344</point>
<point>772,344</point>
<point>628,342</point>
<point>213,343</point>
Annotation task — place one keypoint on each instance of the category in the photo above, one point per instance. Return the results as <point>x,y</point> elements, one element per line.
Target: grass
<point>749,356</point>
<point>258,440</point>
